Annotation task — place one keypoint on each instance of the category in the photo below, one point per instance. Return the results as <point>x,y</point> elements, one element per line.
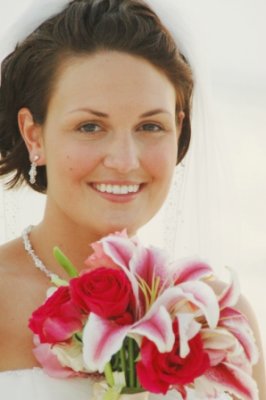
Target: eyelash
<point>146,127</point>
<point>158,127</point>
<point>91,124</point>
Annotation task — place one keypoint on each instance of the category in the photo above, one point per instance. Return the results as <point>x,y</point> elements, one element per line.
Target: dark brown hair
<point>83,27</point>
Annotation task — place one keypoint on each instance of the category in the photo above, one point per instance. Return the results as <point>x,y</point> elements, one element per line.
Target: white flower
<point>70,355</point>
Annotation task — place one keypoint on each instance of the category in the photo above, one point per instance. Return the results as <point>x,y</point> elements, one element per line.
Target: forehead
<point>107,76</point>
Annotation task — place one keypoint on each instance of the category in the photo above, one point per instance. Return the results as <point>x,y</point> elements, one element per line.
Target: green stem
<point>115,362</point>
<point>109,374</point>
<point>123,361</point>
<point>131,362</point>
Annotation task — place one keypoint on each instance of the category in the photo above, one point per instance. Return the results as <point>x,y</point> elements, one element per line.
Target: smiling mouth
<point>117,189</point>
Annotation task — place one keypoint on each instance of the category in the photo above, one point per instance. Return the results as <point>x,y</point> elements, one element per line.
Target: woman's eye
<point>90,127</point>
<point>151,127</point>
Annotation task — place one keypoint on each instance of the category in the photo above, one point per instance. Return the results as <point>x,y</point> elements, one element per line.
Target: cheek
<point>62,165</point>
<point>161,160</point>
<point>74,162</point>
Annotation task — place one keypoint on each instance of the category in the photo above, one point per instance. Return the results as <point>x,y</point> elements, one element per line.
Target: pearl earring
<point>33,169</point>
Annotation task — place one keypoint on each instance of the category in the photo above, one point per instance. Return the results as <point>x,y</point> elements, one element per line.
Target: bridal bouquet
<point>137,322</point>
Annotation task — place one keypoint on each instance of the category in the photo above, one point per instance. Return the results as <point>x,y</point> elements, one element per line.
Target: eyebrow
<point>154,112</point>
<point>104,115</point>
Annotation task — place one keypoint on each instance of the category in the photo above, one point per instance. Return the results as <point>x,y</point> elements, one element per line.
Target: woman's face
<point>109,142</point>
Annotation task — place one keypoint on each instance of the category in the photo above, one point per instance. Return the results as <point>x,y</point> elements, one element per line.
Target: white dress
<point>34,384</point>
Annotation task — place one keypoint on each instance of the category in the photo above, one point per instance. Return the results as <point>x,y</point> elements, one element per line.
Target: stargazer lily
<point>232,351</point>
<point>181,292</point>
<point>187,299</point>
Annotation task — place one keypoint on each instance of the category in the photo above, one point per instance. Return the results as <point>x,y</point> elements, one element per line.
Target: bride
<point>95,113</point>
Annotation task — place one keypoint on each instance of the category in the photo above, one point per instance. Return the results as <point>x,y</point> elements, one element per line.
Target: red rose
<point>106,292</point>
<point>57,319</point>
<point>158,371</point>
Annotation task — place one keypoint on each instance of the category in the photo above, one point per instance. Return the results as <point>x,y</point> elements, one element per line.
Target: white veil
<point>192,216</point>
<point>190,222</point>
<point>20,207</point>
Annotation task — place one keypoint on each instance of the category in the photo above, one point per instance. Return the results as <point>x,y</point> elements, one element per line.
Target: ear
<point>32,134</point>
<point>179,121</point>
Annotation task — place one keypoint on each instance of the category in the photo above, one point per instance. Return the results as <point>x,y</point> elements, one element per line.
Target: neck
<point>72,237</point>
<point>73,241</point>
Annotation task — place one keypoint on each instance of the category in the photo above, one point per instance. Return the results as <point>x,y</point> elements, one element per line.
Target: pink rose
<point>112,251</point>
<point>157,372</point>
<point>106,292</point>
<point>98,258</point>
<point>57,319</point>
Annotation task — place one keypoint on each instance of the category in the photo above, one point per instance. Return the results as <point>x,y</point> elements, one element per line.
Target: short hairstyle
<point>83,27</point>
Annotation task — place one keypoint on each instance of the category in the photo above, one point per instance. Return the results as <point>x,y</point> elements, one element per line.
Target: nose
<point>122,154</point>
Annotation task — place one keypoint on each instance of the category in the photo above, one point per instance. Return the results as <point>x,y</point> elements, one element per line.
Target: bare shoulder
<point>10,259</point>
<point>11,276</point>
<point>17,277</point>
<point>22,289</point>
<point>10,250</point>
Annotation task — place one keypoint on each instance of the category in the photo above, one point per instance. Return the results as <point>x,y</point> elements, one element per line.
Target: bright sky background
<point>232,34</point>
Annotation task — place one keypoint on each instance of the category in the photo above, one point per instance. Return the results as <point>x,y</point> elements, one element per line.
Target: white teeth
<point>117,189</point>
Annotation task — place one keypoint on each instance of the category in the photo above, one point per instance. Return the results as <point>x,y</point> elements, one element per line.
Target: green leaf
<point>109,374</point>
<point>65,262</point>
<point>111,394</point>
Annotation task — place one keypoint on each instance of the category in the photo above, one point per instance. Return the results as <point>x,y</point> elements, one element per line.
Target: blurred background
<point>230,35</point>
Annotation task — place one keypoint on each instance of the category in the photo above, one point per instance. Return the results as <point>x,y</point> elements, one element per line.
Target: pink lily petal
<point>231,293</point>
<point>157,327</point>
<point>217,339</point>
<point>203,297</point>
<point>120,249</point>
<point>238,325</point>
<point>50,363</point>
<point>223,346</point>
<point>216,356</point>
<point>197,293</point>
<point>188,328</point>
<point>99,258</point>
<point>227,378</point>
<point>191,270</point>
<point>217,342</point>
<point>101,339</point>
<point>99,348</point>
<point>182,390</point>
<point>206,390</point>
<point>150,263</point>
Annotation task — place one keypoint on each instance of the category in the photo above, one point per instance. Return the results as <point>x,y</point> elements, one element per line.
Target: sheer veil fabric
<point>16,205</point>
<point>190,221</point>
<point>192,213</point>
